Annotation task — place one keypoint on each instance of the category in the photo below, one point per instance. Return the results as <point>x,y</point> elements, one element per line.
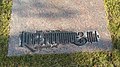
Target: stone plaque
<point>65,15</point>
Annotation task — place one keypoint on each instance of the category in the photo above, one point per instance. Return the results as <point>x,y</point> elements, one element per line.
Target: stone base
<point>68,15</point>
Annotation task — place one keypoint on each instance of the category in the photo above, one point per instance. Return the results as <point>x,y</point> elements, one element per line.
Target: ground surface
<point>100,59</point>
<point>68,15</point>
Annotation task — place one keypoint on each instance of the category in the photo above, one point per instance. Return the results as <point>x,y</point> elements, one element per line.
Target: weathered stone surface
<point>69,15</point>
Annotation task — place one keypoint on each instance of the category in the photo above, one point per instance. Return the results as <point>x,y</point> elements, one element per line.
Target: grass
<point>95,59</point>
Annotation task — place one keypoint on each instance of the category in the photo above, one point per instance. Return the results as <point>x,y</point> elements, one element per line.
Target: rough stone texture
<point>70,15</point>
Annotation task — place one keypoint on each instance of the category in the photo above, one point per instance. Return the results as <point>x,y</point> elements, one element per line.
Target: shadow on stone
<point>44,10</point>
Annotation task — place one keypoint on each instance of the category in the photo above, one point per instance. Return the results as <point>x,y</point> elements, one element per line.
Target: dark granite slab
<point>68,15</point>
